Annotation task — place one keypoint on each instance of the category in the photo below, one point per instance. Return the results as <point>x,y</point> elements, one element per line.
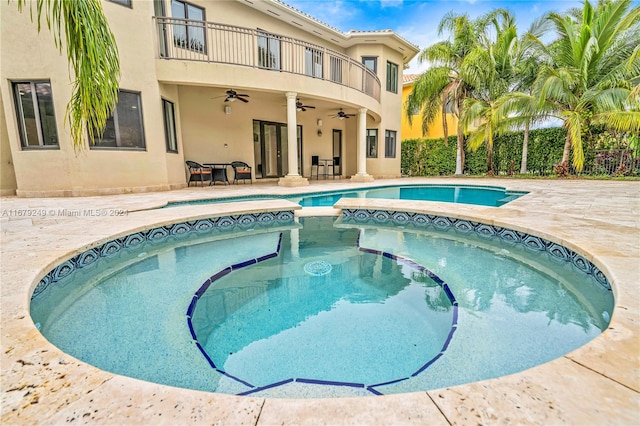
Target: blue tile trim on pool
<point>112,247</point>
<point>224,373</point>
<point>424,367</point>
<point>371,388</point>
<point>530,242</point>
<point>272,385</point>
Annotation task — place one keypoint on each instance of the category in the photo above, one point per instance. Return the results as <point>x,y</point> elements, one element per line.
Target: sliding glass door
<point>271,149</point>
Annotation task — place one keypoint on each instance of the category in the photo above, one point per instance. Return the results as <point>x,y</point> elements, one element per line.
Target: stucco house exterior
<point>184,69</point>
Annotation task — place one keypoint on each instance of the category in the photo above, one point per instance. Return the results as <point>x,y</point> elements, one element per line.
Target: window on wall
<point>372,143</point>
<point>36,117</point>
<point>268,50</point>
<point>313,62</point>
<point>392,77</point>
<point>123,129</point>
<point>169,125</point>
<point>370,62</point>
<point>122,2</point>
<point>390,143</point>
<point>190,34</point>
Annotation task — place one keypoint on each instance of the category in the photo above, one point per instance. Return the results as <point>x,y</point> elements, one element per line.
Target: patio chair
<point>199,173</point>
<point>315,162</point>
<point>241,171</point>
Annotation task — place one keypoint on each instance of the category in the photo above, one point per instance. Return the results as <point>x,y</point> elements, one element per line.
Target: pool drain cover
<point>318,267</point>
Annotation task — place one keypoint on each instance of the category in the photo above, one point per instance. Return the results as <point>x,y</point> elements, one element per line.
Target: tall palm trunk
<point>525,149</point>
<point>490,152</point>
<point>567,148</point>
<point>445,127</point>
<point>460,146</point>
<point>490,161</point>
<point>460,151</point>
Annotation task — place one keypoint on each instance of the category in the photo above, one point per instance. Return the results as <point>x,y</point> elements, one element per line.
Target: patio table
<point>219,172</point>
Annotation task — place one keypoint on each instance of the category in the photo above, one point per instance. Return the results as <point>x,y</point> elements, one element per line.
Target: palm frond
<point>620,121</point>
<point>93,55</point>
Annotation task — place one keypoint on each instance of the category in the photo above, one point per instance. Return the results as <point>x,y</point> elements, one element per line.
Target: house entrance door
<point>270,149</point>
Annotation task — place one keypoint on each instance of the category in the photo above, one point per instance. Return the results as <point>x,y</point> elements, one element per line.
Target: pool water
<point>484,196</point>
<point>322,308</point>
<point>479,195</point>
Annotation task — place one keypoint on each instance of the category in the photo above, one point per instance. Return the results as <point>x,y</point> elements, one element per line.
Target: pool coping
<point>42,385</point>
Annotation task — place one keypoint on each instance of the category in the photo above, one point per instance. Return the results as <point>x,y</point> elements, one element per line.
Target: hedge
<point>432,157</point>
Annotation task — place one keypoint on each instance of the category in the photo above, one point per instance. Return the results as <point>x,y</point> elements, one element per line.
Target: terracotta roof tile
<point>409,78</point>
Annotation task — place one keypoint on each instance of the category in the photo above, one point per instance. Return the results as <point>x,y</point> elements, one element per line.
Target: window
<point>268,50</point>
<point>169,126</point>
<point>371,63</point>
<point>123,129</point>
<point>372,143</point>
<point>313,62</point>
<point>36,118</point>
<point>190,34</point>
<point>390,143</point>
<point>122,2</point>
<point>392,77</point>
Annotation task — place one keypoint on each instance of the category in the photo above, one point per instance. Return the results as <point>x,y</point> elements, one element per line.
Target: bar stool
<point>315,161</point>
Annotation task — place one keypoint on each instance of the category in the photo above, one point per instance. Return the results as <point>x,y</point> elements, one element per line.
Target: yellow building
<point>414,130</point>
<point>185,67</point>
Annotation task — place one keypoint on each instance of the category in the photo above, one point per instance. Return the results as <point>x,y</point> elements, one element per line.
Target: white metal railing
<point>203,41</point>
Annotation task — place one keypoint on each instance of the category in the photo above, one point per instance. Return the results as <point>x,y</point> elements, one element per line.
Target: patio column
<point>361,175</point>
<point>292,178</point>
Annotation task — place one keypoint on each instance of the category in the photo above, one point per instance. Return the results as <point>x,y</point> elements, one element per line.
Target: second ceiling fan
<point>232,95</point>
<point>342,115</point>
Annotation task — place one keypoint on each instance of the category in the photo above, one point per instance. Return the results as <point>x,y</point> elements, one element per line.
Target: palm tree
<point>501,65</point>
<point>93,56</point>
<point>590,72</point>
<point>443,86</point>
<point>526,62</point>
<point>489,68</point>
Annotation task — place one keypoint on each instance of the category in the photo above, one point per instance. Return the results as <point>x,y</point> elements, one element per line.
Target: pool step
<point>507,199</point>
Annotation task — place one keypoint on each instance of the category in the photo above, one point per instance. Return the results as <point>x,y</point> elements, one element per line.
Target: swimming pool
<point>466,194</point>
<point>154,309</point>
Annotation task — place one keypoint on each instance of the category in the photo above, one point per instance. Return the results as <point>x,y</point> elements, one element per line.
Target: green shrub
<point>432,157</point>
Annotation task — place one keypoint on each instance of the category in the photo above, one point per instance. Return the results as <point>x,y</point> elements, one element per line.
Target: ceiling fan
<point>342,115</point>
<point>232,95</point>
<point>301,107</point>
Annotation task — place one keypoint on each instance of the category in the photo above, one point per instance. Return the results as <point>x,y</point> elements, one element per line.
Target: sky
<point>417,20</point>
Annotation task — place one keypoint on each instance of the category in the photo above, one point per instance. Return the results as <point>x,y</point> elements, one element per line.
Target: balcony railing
<point>203,41</point>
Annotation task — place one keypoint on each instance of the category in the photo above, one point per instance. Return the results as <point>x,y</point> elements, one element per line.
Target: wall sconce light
<point>319,132</point>
<point>227,109</point>
<point>319,122</point>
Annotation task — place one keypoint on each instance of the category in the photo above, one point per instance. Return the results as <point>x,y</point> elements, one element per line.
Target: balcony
<point>202,41</point>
